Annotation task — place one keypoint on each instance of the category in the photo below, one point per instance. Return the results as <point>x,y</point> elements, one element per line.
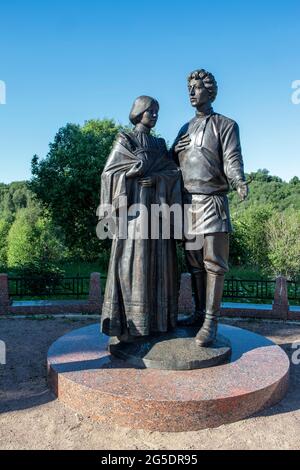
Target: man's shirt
<point>213,160</point>
<point>210,165</point>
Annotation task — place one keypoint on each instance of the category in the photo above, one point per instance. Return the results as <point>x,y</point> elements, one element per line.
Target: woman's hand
<point>147,182</point>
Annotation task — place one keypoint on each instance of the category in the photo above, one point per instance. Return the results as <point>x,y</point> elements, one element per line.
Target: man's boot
<point>197,318</point>
<point>214,292</point>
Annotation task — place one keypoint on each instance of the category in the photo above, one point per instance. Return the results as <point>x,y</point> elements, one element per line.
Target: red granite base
<point>86,378</point>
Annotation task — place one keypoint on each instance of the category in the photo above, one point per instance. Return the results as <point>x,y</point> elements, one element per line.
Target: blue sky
<point>72,60</point>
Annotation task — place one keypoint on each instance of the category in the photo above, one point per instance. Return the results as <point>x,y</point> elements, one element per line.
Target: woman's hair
<point>208,80</point>
<point>140,105</point>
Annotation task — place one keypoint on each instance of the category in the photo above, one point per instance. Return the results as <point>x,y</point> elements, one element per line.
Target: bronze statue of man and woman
<point>205,161</point>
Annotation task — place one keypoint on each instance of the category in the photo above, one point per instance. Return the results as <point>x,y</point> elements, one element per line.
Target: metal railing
<point>252,290</point>
<point>293,291</point>
<point>76,287</point>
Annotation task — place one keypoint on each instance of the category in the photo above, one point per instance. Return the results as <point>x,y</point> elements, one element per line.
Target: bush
<point>34,243</point>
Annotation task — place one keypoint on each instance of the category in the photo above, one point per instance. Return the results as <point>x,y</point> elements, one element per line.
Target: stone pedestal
<point>95,291</point>
<point>281,302</point>
<point>4,294</point>
<point>88,379</point>
<point>176,350</point>
<point>185,301</point>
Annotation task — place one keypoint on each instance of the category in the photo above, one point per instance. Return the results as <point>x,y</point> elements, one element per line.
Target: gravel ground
<point>31,417</point>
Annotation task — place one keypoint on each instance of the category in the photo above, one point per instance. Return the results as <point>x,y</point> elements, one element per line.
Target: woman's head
<point>145,111</point>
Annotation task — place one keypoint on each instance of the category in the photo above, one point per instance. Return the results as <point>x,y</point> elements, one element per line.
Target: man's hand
<point>147,182</point>
<point>183,142</point>
<point>243,190</point>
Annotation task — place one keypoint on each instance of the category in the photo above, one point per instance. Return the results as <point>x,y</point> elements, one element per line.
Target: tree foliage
<point>34,242</point>
<point>67,182</point>
<point>4,230</point>
<point>283,237</point>
<point>53,217</point>
<point>267,189</point>
<point>250,235</point>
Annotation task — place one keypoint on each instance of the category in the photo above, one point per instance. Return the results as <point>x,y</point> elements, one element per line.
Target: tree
<point>33,242</point>
<point>67,182</point>
<point>13,197</point>
<point>283,238</point>
<point>238,245</point>
<point>250,227</point>
<point>267,189</point>
<point>295,181</point>
<point>4,230</point>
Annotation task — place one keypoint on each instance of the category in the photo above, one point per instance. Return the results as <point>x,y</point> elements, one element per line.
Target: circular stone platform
<point>176,350</point>
<point>85,377</point>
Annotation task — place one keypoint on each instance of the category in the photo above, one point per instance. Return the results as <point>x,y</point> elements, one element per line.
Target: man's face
<point>198,93</point>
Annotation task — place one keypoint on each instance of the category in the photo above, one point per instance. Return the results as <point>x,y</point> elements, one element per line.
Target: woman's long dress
<point>142,284</point>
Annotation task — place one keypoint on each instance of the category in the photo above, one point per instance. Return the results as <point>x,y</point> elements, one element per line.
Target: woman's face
<point>149,118</point>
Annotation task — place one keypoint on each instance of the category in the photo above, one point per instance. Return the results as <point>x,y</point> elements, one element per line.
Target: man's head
<point>202,87</point>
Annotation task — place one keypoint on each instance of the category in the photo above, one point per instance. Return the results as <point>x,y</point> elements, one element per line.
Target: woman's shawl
<point>127,163</point>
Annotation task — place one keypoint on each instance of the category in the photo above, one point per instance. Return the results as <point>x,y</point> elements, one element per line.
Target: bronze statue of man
<point>208,151</point>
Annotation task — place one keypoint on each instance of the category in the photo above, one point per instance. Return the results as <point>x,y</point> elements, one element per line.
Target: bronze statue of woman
<point>142,285</point>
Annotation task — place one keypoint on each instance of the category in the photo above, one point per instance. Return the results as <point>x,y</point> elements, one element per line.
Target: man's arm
<point>232,154</point>
<point>232,158</point>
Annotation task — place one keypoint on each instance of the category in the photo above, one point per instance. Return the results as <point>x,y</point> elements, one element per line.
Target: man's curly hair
<point>208,80</point>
